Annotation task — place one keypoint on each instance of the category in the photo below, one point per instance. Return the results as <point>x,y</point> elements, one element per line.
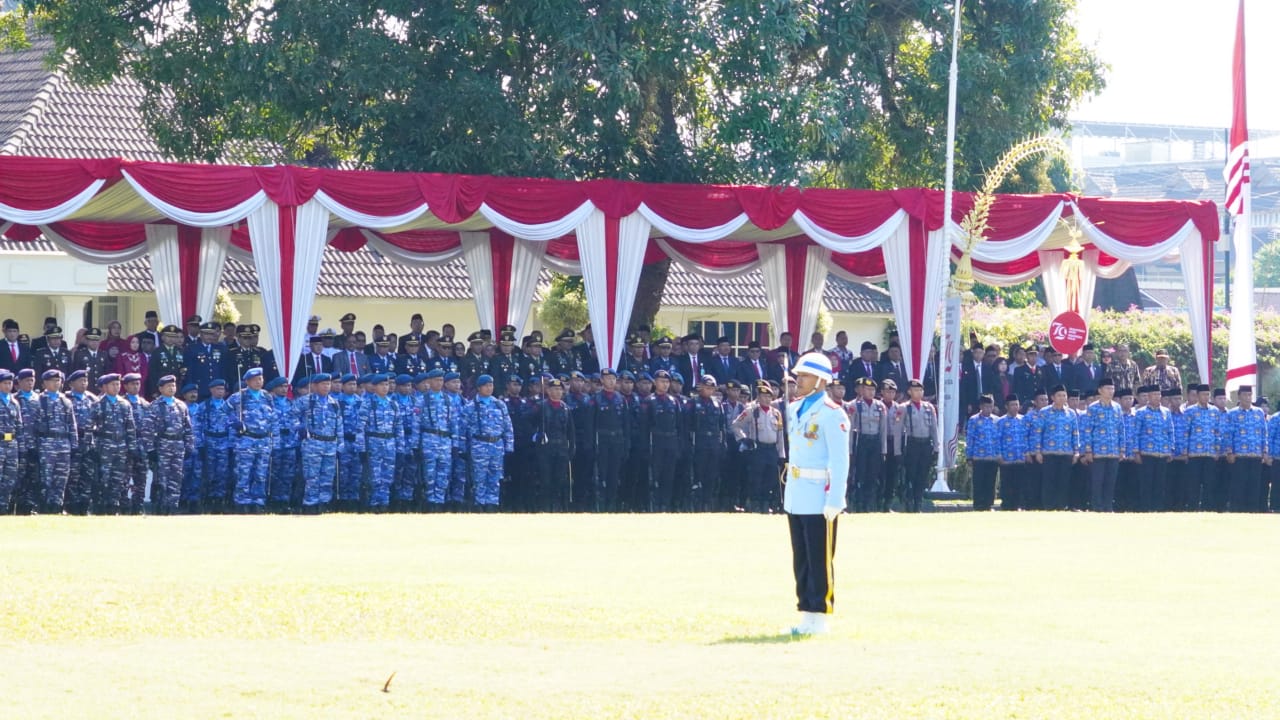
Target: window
<point>740,334</point>
<point>107,309</point>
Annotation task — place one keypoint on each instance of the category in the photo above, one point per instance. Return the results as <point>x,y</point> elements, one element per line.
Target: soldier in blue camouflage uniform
<point>284,454</point>
<point>173,439</point>
<point>26,494</point>
<point>57,437</point>
<point>982,451</point>
<point>487,436</point>
<point>350,467</point>
<point>1057,448</point>
<point>131,501</point>
<point>255,418</point>
<point>215,427</point>
<point>383,441</point>
<point>83,462</point>
<point>1155,447</point>
<point>193,464</point>
<point>115,436</point>
<point>10,436</point>
<point>320,428</point>
<point>407,472</point>
<point>438,424</point>
<point>458,479</point>
<point>1246,450</point>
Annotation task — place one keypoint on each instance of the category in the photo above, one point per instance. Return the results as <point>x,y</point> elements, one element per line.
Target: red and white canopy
<point>190,217</point>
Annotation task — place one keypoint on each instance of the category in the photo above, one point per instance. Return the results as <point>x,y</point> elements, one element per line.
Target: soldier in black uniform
<point>635,485</point>
<point>166,360</point>
<point>90,358</point>
<point>52,355</point>
<point>472,365</point>
<point>562,360</point>
<point>519,479</point>
<point>246,356</point>
<point>612,421</point>
<point>664,419</point>
<point>635,361</point>
<point>733,471</point>
<point>532,361</point>
<point>553,444</point>
<point>707,426</point>
<point>504,363</point>
<point>583,408</point>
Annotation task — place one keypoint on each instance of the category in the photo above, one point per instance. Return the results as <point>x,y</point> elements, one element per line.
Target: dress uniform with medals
<point>816,481</point>
<point>166,360</point>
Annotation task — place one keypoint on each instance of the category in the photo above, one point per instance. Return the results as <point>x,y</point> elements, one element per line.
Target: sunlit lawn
<point>960,615</point>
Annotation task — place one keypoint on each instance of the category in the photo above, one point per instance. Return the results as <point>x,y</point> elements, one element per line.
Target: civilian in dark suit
<point>723,366</point>
<point>1087,372</point>
<point>694,364</point>
<point>753,367</point>
<point>415,332</point>
<point>892,367</point>
<point>862,366</point>
<point>1027,378</point>
<point>1057,370</point>
<point>313,362</point>
<point>14,355</point>
<point>351,360</point>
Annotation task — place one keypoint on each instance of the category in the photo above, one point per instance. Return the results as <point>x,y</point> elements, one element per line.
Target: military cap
<point>1087,346</point>
<point>420,377</point>
<point>508,328</point>
<point>411,341</point>
<point>445,339</point>
<point>93,334</point>
<point>151,315</point>
<point>555,383</point>
<point>5,375</point>
<point>379,378</point>
<point>1162,353</point>
<point>212,327</point>
<point>888,384</point>
<point>664,342</point>
<point>346,378</point>
<point>301,382</point>
<point>167,380</point>
<point>243,331</point>
<point>255,328</point>
<point>635,341</point>
<point>1124,392</point>
<point>1171,392</point>
<point>868,345</point>
<point>328,333</point>
<point>608,371</point>
<point>403,379</point>
<point>708,381</point>
<point>577,375</point>
<point>365,379</point>
<point>108,377</point>
<point>627,375</point>
<point>349,317</point>
<point>1057,389</point>
<point>275,382</point>
<point>566,334</point>
<point>1106,382</point>
<point>835,382</point>
<point>128,377</point>
<point>451,375</point>
<point>913,383</point>
<point>51,374</point>
<point>382,343</point>
<point>732,384</point>
<point>1219,392</point>
<point>217,383</point>
<point>76,375</point>
<point>865,382</point>
<point>512,379</point>
<point>11,324</point>
<point>252,373</point>
<point>533,341</point>
<point>1244,389</point>
<point>677,377</point>
<point>508,338</point>
<point>662,375</point>
<point>475,337</point>
<point>188,388</point>
<point>194,320</point>
<point>54,332</point>
<point>313,320</point>
<point>1011,397</point>
<point>171,331</point>
<point>485,379</point>
<point>763,386</point>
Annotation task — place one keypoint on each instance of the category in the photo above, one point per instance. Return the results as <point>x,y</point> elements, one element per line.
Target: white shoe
<point>805,625</point>
<point>819,625</point>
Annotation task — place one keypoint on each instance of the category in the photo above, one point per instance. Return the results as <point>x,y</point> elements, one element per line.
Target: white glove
<point>831,513</point>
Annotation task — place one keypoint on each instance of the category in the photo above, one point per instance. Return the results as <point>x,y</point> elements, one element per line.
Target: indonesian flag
<point>1242,358</point>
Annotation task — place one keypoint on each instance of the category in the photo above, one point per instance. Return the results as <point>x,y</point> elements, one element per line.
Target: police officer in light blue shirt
<point>816,478</point>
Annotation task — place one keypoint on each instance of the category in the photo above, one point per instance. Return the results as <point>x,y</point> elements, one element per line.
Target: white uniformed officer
<point>818,431</point>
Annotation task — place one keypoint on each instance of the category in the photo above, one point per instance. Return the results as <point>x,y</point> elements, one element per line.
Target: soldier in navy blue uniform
<point>707,429</point>
<point>166,360</point>
<point>204,359</point>
<point>90,358</point>
<point>532,362</point>
<point>637,488</point>
<point>662,359</point>
<point>982,451</point>
<point>611,420</point>
<point>517,464</point>
<point>733,476</point>
<point>664,418</point>
<point>505,362</point>
<point>53,355</point>
<point>553,443</point>
<point>583,408</point>
<point>247,355</point>
<point>410,362</point>
<point>634,361</point>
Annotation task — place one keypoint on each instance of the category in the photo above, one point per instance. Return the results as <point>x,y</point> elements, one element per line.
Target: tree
<point>1266,266</point>
<point>825,92</point>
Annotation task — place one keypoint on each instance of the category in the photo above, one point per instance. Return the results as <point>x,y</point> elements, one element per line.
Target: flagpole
<point>951,330</point>
<point>1242,352</point>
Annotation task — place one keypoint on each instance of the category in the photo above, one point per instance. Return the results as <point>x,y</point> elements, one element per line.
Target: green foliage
<point>224,308</point>
<point>1266,266</point>
<point>565,306</point>
<point>826,92</point>
<point>13,31</point>
<point>1028,294</point>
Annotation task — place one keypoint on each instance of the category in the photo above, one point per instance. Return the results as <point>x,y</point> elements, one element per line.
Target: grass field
<point>960,615</point>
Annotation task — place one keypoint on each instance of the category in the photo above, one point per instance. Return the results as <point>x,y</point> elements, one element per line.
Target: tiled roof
<point>747,291</point>
<point>43,113</point>
<point>1176,298</point>
<point>1185,181</point>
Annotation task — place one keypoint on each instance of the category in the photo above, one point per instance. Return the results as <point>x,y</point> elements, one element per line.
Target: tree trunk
<point>653,280</point>
<point>1118,294</point>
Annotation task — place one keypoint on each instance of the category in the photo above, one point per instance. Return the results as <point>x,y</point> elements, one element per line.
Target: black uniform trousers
<point>1032,481</point>
<point>707,450</point>
<point>868,473</point>
<point>666,447</point>
<point>1056,482</point>
<point>734,485</point>
<point>1202,474</point>
<point>1011,482</point>
<point>917,459</point>
<point>1127,486</point>
<point>984,484</point>
<point>1176,496</point>
<point>1102,484</point>
<point>1151,480</point>
<point>1246,476</point>
<point>1221,486</point>
<point>762,476</point>
<point>611,446</point>
<point>1078,499</point>
<point>553,476</point>
<point>813,546</point>
<point>889,475</point>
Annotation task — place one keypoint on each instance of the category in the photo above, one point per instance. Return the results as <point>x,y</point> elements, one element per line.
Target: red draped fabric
<point>717,254</point>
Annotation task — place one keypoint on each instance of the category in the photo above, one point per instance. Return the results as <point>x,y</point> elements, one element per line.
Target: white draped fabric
<point>213,258</point>
<point>54,213</point>
<point>225,216</point>
<point>773,268</point>
<point>618,258</point>
<point>162,244</point>
<point>479,258</point>
<point>526,268</point>
<point>1013,248</point>
<point>850,244</point>
<point>916,272</point>
<point>407,257</point>
<point>780,295</point>
<point>666,228</point>
<point>542,232</point>
<point>365,220</point>
<point>1198,280</point>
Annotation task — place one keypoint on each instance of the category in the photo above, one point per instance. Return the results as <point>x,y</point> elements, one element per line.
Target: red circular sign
<point>1068,333</point>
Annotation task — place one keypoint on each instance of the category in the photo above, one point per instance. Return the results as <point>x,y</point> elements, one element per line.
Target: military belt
<point>439,433</point>
<point>169,437</point>
<point>216,435</point>
<point>380,435</point>
<point>254,435</point>
<point>349,437</point>
<point>323,438</point>
<point>487,438</point>
<point>54,436</point>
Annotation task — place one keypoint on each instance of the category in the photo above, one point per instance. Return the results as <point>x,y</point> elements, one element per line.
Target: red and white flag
<point>1242,356</point>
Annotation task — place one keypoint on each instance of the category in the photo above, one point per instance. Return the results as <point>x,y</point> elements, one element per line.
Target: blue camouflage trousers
<point>284,470</point>
<point>408,476</point>
<point>112,480</point>
<point>55,471</point>
<point>382,470</point>
<point>350,472</point>
<point>170,455</point>
<point>216,478</point>
<point>253,467</point>
<point>8,472</point>
<point>437,467</point>
<point>486,471</point>
<point>192,470</point>
<point>319,471</point>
